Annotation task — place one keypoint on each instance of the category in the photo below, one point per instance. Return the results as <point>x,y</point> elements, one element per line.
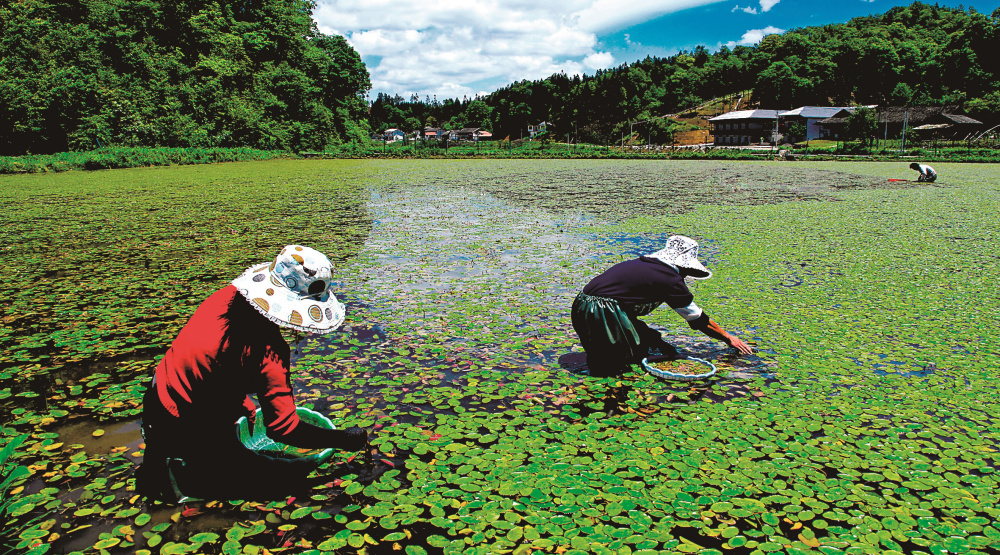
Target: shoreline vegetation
<point>136,157</point>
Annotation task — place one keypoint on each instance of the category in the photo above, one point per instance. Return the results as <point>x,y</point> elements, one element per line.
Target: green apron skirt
<point>610,333</point>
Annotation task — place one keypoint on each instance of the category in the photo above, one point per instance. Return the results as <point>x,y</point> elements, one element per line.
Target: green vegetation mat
<point>864,424</point>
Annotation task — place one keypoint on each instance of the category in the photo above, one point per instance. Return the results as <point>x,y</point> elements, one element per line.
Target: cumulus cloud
<point>599,60</point>
<point>766,5</point>
<point>748,9</point>
<point>451,48</point>
<point>754,36</point>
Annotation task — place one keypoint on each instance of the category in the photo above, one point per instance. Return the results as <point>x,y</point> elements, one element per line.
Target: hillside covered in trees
<point>913,55</point>
<point>80,74</point>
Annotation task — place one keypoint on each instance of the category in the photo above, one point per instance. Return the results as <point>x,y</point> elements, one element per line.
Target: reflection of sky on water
<point>454,265</point>
<point>439,238</point>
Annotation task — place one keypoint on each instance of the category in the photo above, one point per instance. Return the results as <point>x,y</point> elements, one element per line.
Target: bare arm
<point>710,328</point>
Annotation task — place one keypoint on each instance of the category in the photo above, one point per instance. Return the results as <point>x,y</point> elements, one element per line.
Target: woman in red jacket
<point>230,348</point>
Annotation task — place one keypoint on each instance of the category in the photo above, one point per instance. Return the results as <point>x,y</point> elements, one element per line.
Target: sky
<point>464,48</point>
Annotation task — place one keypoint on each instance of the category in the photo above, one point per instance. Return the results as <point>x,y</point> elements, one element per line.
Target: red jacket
<point>226,351</point>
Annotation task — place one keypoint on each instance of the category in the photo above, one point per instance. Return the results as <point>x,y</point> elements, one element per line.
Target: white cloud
<point>748,9</point>
<point>766,5</point>
<point>605,15</point>
<point>599,60</point>
<point>753,36</point>
<point>452,48</point>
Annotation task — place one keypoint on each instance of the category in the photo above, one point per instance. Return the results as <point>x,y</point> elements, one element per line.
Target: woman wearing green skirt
<point>606,314</point>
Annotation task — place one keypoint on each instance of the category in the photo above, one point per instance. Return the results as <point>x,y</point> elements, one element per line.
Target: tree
<point>80,74</point>
<point>862,126</point>
<point>797,130</point>
<point>779,86</point>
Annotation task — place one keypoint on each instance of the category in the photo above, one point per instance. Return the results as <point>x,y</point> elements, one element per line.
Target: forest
<point>911,55</point>
<point>78,75</point>
<point>84,74</point>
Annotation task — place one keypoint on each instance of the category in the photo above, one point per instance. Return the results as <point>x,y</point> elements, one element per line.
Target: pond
<point>862,424</point>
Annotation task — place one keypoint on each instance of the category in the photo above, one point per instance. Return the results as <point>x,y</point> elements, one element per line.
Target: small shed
<point>958,126</point>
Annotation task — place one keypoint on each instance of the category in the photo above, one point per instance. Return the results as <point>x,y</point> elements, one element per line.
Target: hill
<point>80,74</point>
<point>918,54</point>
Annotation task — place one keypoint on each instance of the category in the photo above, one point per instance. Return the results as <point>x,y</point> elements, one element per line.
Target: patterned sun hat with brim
<point>682,252</point>
<point>294,290</point>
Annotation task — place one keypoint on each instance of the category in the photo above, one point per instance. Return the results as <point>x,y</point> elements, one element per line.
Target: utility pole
<point>902,141</point>
<point>774,136</point>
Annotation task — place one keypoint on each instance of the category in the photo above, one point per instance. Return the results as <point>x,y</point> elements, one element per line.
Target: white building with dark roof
<point>810,116</point>
<point>743,127</point>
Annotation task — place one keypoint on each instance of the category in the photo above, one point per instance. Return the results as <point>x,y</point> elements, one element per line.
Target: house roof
<point>922,115</point>
<point>746,114</point>
<point>468,130</point>
<point>962,119</point>
<point>813,112</point>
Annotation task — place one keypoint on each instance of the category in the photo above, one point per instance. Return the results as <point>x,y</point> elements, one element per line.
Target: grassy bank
<point>112,158</point>
<point>121,157</point>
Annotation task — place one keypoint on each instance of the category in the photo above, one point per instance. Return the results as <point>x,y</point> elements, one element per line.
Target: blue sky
<point>457,48</point>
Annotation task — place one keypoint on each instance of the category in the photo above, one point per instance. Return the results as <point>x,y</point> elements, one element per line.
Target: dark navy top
<point>643,280</point>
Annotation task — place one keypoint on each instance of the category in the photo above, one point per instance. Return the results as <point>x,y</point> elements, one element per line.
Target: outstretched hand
<point>740,346</point>
<point>357,438</point>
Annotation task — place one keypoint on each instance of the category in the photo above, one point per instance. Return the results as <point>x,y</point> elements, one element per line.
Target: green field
<point>865,423</point>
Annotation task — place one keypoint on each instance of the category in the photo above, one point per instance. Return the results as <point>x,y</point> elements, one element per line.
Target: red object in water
<point>388,462</point>
<point>190,512</point>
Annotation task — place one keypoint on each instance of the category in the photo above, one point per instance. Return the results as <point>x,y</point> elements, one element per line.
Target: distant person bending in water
<point>231,347</point>
<point>606,314</point>
<point>927,173</point>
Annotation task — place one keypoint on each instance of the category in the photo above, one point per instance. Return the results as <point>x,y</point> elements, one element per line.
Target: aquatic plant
<point>863,424</point>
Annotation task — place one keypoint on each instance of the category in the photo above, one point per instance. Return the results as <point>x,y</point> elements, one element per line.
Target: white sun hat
<point>682,252</point>
<point>294,290</point>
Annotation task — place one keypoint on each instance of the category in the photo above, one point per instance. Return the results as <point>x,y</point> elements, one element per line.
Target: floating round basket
<point>257,440</point>
<point>682,369</point>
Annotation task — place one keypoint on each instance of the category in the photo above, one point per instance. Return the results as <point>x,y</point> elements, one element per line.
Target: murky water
<point>458,297</point>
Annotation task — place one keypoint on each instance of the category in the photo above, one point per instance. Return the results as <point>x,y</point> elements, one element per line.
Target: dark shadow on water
<point>574,363</point>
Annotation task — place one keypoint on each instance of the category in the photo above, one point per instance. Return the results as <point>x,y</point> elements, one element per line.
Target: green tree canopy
<point>77,74</point>
<point>916,54</point>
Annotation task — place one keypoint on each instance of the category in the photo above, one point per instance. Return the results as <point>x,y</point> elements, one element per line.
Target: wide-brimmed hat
<point>294,290</point>
<point>682,252</point>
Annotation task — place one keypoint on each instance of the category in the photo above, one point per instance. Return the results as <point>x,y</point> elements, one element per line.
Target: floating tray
<point>257,440</point>
<point>666,374</point>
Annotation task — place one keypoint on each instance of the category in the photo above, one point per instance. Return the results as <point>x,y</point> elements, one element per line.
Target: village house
<point>392,135</point>
<point>434,133</point>
<point>536,129</point>
<point>744,127</point>
<point>810,116</point>
<point>470,133</point>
